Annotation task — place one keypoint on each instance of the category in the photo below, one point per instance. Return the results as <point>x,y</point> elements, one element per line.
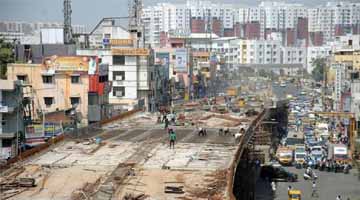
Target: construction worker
<point>172,139</point>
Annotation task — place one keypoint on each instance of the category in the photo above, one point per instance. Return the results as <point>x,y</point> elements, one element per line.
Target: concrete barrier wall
<point>239,151</point>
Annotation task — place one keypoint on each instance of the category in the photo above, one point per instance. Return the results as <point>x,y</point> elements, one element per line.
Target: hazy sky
<point>87,12</point>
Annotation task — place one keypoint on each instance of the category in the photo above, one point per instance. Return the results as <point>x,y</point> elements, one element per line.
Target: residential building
<point>355,98</point>
<point>11,117</point>
<point>294,55</point>
<point>63,83</point>
<point>339,84</point>
<point>349,41</point>
<point>335,19</point>
<point>131,69</point>
<point>349,56</point>
<point>25,32</point>
<point>260,52</point>
<point>316,52</point>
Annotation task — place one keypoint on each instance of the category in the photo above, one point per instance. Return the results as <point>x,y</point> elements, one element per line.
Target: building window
<point>48,101</point>
<point>75,79</point>
<point>75,100</point>
<point>6,143</point>
<point>118,91</point>
<point>118,75</point>
<point>47,79</point>
<point>22,78</point>
<point>118,60</point>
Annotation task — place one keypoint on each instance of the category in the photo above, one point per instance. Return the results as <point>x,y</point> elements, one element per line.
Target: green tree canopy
<point>6,56</point>
<point>319,67</point>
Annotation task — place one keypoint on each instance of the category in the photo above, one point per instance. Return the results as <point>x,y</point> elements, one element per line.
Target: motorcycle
<point>310,175</point>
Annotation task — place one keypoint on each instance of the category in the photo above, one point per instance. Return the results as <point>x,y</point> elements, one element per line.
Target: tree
<point>6,56</point>
<point>318,71</point>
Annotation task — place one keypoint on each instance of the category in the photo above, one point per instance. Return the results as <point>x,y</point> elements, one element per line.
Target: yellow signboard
<point>121,42</point>
<point>130,51</point>
<point>69,63</point>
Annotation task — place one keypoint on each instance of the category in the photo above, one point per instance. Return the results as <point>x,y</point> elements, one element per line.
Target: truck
<point>339,153</point>
<point>285,155</point>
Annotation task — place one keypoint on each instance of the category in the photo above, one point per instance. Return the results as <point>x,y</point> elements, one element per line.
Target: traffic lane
<point>282,92</point>
<point>329,185</point>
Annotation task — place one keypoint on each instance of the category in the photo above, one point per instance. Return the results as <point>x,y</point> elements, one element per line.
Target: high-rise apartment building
<point>334,19</point>
<point>297,23</point>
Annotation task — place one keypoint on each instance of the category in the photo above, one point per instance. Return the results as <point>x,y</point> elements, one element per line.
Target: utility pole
<point>68,37</point>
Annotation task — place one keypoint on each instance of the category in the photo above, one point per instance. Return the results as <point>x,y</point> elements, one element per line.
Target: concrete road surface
<point>329,185</point>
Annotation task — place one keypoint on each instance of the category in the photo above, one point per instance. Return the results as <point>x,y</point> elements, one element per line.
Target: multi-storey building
<point>25,31</point>
<point>182,19</point>
<point>316,52</point>
<point>63,83</point>
<point>294,55</point>
<point>131,69</point>
<point>334,19</point>
<point>11,117</point>
<point>292,20</point>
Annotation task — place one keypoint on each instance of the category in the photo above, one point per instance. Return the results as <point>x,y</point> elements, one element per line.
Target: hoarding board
<point>181,60</point>
<point>121,42</point>
<point>52,129</point>
<point>4,109</point>
<point>130,51</point>
<point>34,131</point>
<point>164,59</point>
<point>69,63</point>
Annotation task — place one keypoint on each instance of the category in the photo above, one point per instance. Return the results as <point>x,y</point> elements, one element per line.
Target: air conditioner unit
<point>119,93</point>
<point>119,78</point>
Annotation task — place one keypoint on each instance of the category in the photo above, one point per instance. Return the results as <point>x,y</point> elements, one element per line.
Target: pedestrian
<point>172,139</point>
<point>314,192</point>
<point>166,123</point>
<point>273,187</point>
<point>338,197</point>
<point>221,131</point>
<point>200,132</point>
<point>163,118</point>
<point>289,188</point>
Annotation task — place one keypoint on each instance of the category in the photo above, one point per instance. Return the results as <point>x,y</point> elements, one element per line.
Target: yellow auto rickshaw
<point>294,195</point>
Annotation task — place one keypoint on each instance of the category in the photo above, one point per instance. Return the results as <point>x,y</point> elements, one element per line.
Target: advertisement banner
<point>164,59</point>
<point>121,42</point>
<point>34,131</point>
<point>69,63</point>
<point>181,60</point>
<point>52,129</point>
<point>130,51</point>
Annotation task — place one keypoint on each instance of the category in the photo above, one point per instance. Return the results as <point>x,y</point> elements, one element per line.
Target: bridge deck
<point>134,160</point>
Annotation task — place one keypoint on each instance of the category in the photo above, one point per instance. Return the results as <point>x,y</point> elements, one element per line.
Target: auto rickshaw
<point>294,195</point>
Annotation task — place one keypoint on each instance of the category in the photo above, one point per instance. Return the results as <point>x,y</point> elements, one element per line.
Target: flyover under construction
<point>130,159</point>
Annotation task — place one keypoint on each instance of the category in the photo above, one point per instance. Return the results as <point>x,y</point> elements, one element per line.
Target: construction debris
<point>174,189</point>
<point>130,196</point>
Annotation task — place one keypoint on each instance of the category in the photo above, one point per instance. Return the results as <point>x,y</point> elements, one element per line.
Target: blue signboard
<point>106,41</point>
